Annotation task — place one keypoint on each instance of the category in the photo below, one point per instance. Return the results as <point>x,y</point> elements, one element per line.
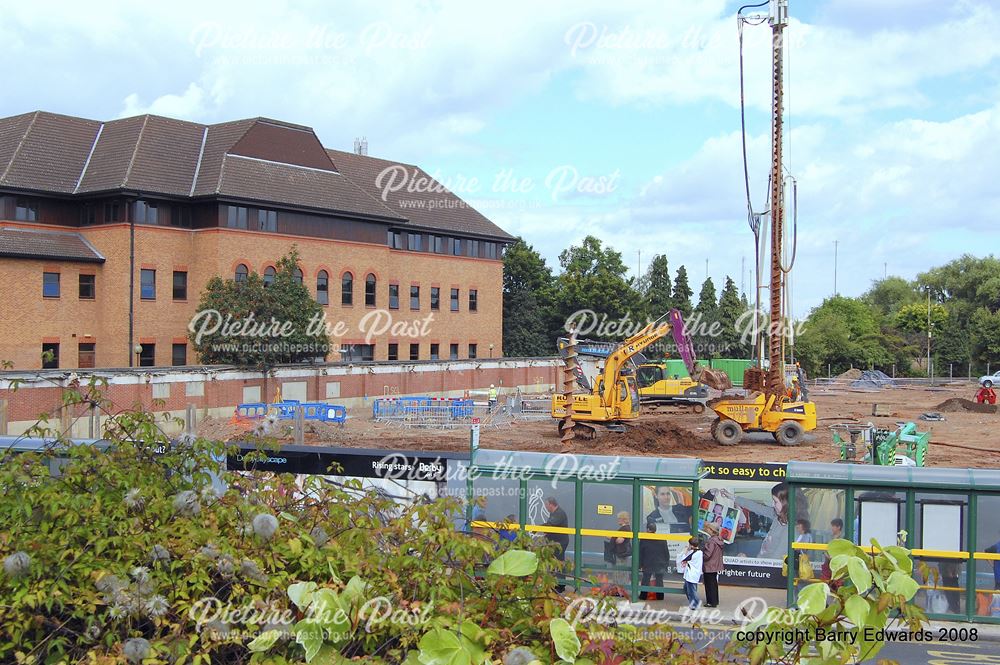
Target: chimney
<point>361,146</point>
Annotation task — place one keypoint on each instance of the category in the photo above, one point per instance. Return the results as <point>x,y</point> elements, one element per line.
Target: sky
<point>563,119</point>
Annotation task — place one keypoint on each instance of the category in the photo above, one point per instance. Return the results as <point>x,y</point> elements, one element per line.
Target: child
<point>689,563</point>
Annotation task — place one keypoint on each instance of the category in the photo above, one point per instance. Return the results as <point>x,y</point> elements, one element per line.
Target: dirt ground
<point>966,438</point>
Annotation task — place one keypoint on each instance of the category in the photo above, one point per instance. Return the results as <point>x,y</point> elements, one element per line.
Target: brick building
<point>110,230</point>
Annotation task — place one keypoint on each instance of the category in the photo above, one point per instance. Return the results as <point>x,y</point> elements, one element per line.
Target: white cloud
<point>189,104</point>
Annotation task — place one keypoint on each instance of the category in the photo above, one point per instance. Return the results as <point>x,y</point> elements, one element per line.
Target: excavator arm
<point>710,377</point>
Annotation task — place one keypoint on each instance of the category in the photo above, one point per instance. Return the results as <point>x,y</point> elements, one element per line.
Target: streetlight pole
<point>928,332</point>
<point>835,243</point>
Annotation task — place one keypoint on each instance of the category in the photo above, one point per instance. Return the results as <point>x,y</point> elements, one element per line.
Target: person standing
<point>690,563</point>
<point>558,519</point>
<point>492,397</point>
<point>713,564</point>
<point>653,559</point>
<point>622,548</point>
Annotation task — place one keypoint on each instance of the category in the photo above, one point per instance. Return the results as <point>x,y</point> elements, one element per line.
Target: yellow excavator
<point>614,398</point>
<point>769,406</point>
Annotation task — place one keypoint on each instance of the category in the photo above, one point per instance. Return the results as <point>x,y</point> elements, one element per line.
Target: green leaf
<point>309,634</point>
<point>564,637</point>
<point>839,546</point>
<point>812,598</point>
<point>443,647</point>
<point>902,584</point>
<point>901,556</point>
<point>838,562</point>
<point>861,576</point>
<point>757,654</point>
<point>517,563</point>
<point>264,641</point>
<point>300,593</point>
<point>856,609</point>
<point>354,591</point>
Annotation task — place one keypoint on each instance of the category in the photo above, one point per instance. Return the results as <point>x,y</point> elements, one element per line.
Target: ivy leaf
<point>354,591</point>
<point>300,593</point>
<point>442,647</point>
<point>902,584</point>
<point>856,608</point>
<point>516,563</point>
<point>564,637</point>
<point>309,634</point>
<point>812,599</point>
<point>861,577</point>
<point>264,641</point>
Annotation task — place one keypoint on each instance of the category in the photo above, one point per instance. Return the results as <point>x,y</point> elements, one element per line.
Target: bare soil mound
<point>958,404</point>
<point>652,438</point>
<point>852,374</point>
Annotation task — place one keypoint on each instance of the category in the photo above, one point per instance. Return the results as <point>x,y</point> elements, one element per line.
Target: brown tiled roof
<point>37,244</point>
<point>448,212</point>
<point>256,159</point>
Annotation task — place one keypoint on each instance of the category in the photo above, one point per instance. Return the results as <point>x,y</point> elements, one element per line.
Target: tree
<point>730,316</point>
<point>913,318</point>
<point>592,287</point>
<point>706,298</point>
<point>657,286</point>
<point>527,302</point>
<point>253,324</point>
<point>889,294</point>
<point>843,333</point>
<point>682,292</point>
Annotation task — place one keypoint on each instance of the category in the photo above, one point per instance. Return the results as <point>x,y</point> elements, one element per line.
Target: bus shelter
<point>948,518</point>
<point>602,498</point>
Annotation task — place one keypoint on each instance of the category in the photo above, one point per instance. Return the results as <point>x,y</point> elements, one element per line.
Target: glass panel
<point>496,500</point>
<point>879,515</point>
<point>542,511</point>
<point>942,585</point>
<point>606,560</point>
<point>945,516</point>
<point>988,543</point>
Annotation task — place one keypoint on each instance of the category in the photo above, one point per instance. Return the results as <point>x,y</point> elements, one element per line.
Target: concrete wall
<point>215,391</point>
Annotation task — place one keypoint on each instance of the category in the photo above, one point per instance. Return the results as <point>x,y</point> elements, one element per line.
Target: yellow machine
<point>657,388</point>
<point>771,405</point>
<point>614,397</point>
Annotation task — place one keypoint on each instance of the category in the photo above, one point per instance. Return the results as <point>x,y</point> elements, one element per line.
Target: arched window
<point>297,275</point>
<point>323,288</point>
<point>370,290</point>
<point>347,289</point>
<point>269,276</point>
<point>241,273</point>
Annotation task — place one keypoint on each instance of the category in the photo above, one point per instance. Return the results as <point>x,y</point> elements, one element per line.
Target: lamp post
<point>137,350</point>
<point>491,350</point>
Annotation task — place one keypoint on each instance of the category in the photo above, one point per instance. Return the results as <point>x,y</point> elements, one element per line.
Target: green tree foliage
<point>732,320</point>
<point>133,554</point>
<point>528,308</point>
<point>843,332</point>
<point>889,294</point>
<point>913,318</point>
<point>706,298</point>
<point>682,292</point>
<point>657,286</point>
<point>277,323</point>
<point>594,278</point>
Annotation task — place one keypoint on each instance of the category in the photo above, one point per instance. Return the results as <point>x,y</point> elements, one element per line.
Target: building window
<point>454,300</point>
<point>267,220</point>
<point>88,214</point>
<point>87,356</point>
<point>181,216</point>
<point>413,242</point>
<point>50,285</point>
<point>241,273</point>
<point>395,240</point>
<point>491,249</point>
<point>26,210</point>
<point>180,285</point>
<point>473,247</point>
<point>347,289</point>
<point>393,351</point>
<point>357,352</point>
<point>415,351</point>
<point>323,288</point>
<point>453,352</point>
<point>147,357</point>
<point>436,244</point>
<point>414,297</point>
<point>394,296</point>
<point>147,284</point>
<point>88,287</point>
<point>473,300</point>
<point>145,212</point>
<point>112,211</point>
<point>473,351</point>
<point>236,217</point>
<point>269,274</point>
<point>179,355</point>
<point>456,246</point>
<point>435,297</point>
<point>435,351</point>
<point>50,356</point>
<point>370,285</point>
<point>297,276</point>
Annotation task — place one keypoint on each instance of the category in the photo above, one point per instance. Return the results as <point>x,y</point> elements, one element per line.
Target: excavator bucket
<point>713,378</point>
